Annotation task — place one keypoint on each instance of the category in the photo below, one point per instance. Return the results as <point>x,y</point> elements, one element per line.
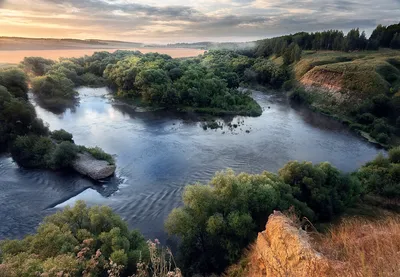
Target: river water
<point>158,153</point>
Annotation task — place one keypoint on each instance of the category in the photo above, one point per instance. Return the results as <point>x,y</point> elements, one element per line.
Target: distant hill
<point>18,43</point>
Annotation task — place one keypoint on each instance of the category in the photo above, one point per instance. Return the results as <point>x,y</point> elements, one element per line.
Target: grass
<point>98,154</point>
<point>362,72</point>
<point>363,247</point>
<point>340,84</point>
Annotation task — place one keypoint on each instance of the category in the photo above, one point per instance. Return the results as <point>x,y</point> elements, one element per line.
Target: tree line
<point>382,36</point>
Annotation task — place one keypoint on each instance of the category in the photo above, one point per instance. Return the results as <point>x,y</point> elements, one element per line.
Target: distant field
<point>18,55</point>
<point>6,65</point>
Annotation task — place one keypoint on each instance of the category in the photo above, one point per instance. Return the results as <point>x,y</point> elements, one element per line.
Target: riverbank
<point>360,89</point>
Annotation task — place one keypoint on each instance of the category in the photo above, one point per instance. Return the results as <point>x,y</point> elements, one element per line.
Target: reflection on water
<point>158,153</point>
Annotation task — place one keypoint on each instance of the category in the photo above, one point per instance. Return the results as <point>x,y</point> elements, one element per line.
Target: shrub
<point>366,118</point>
<point>322,187</point>
<point>98,154</point>
<point>61,135</point>
<point>91,80</point>
<point>220,219</point>
<point>15,81</point>
<point>382,175</point>
<point>37,65</point>
<point>32,151</point>
<point>64,154</point>
<point>394,155</point>
<point>288,85</point>
<point>382,138</point>
<point>299,95</point>
<point>77,238</point>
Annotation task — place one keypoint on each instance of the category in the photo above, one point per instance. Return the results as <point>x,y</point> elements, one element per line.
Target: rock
<point>87,165</point>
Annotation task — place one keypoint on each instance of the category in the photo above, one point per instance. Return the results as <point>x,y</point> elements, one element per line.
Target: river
<point>158,153</point>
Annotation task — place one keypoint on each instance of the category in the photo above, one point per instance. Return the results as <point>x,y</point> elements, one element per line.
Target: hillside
<point>16,43</point>
<point>357,87</point>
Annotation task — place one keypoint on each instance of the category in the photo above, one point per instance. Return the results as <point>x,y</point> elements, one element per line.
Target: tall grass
<point>363,247</point>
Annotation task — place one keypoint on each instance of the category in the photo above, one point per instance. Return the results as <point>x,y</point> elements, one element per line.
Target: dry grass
<point>355,247</point>
<point>364,248</point>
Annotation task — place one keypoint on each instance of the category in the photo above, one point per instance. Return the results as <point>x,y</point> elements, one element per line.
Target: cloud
<point>171,21</point>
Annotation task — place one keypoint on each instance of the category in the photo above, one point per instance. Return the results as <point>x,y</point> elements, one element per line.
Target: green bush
<point>15,81</point>
<point>322,187</point>
<point>98,154</point>
<point>382,175</point>
<point>32,151</point>
<point>382,138</point>
<point>74,240</point>
<point>64,154</point>
<point>220,219</point>
<point>61,135</point>
<point>37,65</point>
<point>394,155</point>
<point>366,118</point>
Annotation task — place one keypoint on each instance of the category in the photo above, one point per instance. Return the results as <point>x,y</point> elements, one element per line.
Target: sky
<point>170,21</point>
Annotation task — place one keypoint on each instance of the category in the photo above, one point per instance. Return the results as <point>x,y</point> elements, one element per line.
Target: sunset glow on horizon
<point>167,21</point>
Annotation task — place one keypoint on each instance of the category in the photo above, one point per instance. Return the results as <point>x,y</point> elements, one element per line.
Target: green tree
<point>74,240</point>
<point>220,219</point>
<point>322,187</point>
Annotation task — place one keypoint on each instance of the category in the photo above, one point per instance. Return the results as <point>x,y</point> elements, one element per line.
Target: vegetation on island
<point>154,79</point>
<point>26,137</point>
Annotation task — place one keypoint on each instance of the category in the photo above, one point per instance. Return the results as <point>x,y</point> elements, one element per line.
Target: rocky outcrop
<point>284,250</point>
<point>87,165</point>
<point>328,83</point>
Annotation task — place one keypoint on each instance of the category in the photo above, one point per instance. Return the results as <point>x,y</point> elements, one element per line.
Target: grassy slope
<point>356,76</point>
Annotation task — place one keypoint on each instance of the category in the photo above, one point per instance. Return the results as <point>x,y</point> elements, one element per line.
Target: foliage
<point>382,175</point>
<point>98,153</point>
<point>324,188</point>
<point>61,135</point>
<point>32,151</point>
<point>162,81</point>
<point>77,241</point>
<point>64,154</point>
<point>15,81</point>
<point>218,220</point>
<point>38,66</point>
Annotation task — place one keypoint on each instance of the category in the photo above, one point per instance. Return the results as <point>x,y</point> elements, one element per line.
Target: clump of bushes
<point>79,240</point>
<point>98,154</point>
<point>61,135</point>
<point>33,151</point>
<point>382,175</point>
<point>57,151</point>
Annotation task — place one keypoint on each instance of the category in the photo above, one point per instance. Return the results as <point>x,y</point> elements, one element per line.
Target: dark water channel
<point>158,153</point>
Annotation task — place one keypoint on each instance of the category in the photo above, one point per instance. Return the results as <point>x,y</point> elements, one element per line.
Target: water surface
<point>158,153</point>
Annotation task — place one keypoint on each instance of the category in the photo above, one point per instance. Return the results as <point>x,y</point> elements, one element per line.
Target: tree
<point>76,240</point>
<point>395,43</point>
<point>220,219</point>
<point>38,66</point>
<point>322,187</point>
<point>15,81</point>
<point>32,151</point>
<point>64,154</point>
